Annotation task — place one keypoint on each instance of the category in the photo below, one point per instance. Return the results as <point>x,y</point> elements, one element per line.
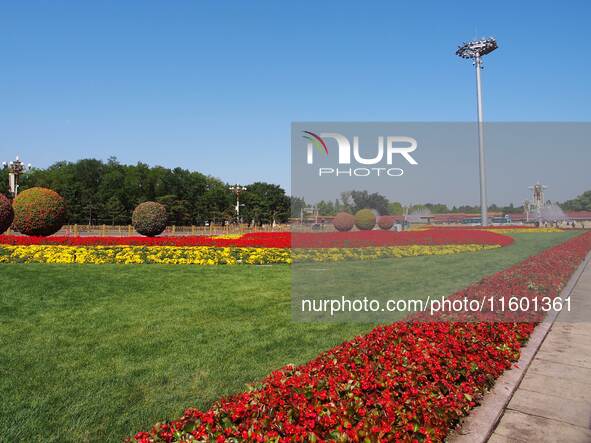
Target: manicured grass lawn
<point>97,352</point>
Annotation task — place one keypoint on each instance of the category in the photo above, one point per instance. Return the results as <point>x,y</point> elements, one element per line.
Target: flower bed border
<point>481,423</point>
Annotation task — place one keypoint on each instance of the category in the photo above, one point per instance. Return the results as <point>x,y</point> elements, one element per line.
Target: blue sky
<point>214,86</point>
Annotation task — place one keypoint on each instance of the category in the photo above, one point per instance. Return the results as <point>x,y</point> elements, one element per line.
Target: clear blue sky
<point>214,86</point>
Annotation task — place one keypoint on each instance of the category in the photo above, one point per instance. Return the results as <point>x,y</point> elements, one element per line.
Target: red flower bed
<point>283,239</point>
<point>254,239</point>
<point>359,239</point>
<point>408,382</point>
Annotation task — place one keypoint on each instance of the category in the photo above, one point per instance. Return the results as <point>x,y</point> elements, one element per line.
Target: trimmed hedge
<point>343,221</point>
<point>149,219</point>
<point>386,222</point>
<point>365,219</point>
<point>39,212</point>
<point>6,214</point>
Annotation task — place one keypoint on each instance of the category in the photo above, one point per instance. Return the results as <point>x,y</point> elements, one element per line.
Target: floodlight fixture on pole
<point>475,50</point>
<point>237,190</point>
<point>15,169</point>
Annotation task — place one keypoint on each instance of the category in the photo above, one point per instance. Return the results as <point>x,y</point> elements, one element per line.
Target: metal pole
<point>483,207</point>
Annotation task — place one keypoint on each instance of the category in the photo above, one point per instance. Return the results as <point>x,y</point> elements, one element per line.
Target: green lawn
<point>97,352</point>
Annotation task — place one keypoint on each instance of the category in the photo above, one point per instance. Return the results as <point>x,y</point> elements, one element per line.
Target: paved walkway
<point>553,401</point>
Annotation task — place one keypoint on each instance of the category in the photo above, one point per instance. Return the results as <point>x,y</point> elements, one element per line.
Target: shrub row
<point>364,220</point>
<point>42,212</point>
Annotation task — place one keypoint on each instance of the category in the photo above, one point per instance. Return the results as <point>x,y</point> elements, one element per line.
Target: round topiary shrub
<point>149,218</point>
<point>386,222</point>
<point>39,211</point>
<point>6,214</point>
<point>365,219</point>
<point>343,221</point>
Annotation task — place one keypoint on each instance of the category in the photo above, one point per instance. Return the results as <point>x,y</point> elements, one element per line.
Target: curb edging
<point>480,424</point>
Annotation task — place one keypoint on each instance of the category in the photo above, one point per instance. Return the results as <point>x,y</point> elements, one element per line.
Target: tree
<point>115,209</point>
<point>92,188</point>
<point>437,208</point>
<point>347,202</point>
<point>395,208</point>
<point>326,208</point>
<point>364,200</point>
<point>265,203</point>
<point>3,181</point>
<point>177,210</point>
<point>580,203</point>
<point>297,204</point>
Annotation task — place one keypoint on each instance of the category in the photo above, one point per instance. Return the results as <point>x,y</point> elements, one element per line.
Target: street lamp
<point>15,169</point>
<point>475,50</point>
<point>237,190</point>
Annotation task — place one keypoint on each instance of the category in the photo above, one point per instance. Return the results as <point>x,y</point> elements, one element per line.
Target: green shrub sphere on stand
<point>365,219</point>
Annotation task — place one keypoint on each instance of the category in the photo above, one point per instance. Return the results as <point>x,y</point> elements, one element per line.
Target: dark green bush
<point>149,219</point>
<point>39,212</point>
<point>343,221</point>
<point>6,214</point>
<point>365,219</point>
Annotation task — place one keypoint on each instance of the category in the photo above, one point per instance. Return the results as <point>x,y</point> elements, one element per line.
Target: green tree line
<point>98,192</point>
<point>580,203</point>
<point>352,201</point>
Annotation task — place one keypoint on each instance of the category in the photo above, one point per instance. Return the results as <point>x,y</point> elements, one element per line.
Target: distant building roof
<point>579,215</point>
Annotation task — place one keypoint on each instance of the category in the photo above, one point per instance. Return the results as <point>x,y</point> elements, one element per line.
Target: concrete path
<point>553,401</point>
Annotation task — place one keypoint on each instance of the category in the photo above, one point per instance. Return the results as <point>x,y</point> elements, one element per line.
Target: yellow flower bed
<point>370,253</point>
<point>228,236</point>
<point>176,255</point>
<point>208,255</point>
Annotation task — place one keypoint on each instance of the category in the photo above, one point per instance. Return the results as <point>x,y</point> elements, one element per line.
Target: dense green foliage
<point>94,353</point>
<point>385,222</point>
<point>6,213</point>
<point>39,211</point>
<point>343,221</point>
<point>353,201</point>
<point>581,203</point>
<point>264,203</point>
<point>107,192</point>
<point>99,192</point>
<point>365,219</point>
<point>149,219</point>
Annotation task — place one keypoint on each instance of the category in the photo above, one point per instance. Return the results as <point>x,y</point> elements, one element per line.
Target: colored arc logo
<point>316,141</point>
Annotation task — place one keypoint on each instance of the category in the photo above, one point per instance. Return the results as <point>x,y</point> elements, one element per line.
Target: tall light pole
<point>15,169</point>
<point>237,190</point>
<point>475,50</point>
